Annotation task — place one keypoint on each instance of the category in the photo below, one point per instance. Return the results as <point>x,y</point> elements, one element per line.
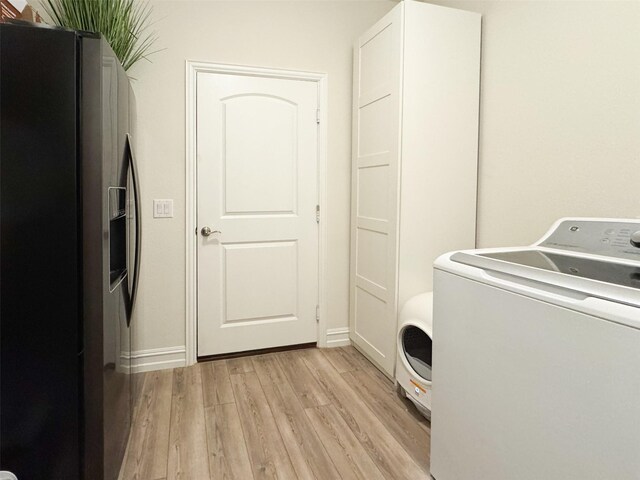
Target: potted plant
<point>123,23</point>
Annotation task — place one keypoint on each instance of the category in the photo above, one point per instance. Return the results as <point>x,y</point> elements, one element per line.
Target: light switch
<point>163,208</point>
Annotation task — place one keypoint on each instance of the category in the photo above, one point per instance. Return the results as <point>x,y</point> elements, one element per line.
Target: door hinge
<point>318,116</point>
<point>317,213</point>
<point>317,313</point>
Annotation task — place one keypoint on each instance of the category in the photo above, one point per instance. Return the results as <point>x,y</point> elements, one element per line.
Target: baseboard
<point>338,337</point>
<point>156,359</point>
<point>174,357</point>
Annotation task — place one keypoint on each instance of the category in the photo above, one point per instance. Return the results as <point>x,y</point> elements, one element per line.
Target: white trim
<point>192,70</point>
<point>338,337</point>
<point>323,240</point>
<point>191,299</point>
<point>155,359</point>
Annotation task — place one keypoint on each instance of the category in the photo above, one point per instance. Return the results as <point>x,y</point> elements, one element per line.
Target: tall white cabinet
<point>415,151</point>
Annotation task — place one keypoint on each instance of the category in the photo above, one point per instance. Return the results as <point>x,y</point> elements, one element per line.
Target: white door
<point>374,190</point>
<point>257,151</point>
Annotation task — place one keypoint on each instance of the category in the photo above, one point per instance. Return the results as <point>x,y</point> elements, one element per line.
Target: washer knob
<point>635,239</point>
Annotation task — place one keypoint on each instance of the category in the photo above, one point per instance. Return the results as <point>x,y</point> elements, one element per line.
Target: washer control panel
<point>620,239</point>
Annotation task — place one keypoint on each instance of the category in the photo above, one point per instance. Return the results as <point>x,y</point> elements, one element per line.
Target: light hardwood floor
<point>304,414</point>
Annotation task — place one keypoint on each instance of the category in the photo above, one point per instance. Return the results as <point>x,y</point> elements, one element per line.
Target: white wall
<point>560,114</point>
<point>312,36</point>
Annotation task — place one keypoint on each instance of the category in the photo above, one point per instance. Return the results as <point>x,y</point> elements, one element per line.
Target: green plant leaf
<point>123,23</point>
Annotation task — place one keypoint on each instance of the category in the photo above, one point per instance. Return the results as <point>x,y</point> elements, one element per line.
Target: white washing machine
<point>413,367</point>
<point>537,357</point>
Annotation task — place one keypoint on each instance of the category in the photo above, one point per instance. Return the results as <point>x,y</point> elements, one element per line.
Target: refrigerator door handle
<point>138,244</point>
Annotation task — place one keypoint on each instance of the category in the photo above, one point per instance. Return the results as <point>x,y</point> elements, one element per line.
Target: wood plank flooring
<point>320,414</point>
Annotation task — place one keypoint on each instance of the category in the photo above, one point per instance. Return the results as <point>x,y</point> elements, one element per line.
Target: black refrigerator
<point>69,254</point>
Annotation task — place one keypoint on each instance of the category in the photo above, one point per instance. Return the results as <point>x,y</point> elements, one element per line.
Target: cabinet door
<point>374,205</point>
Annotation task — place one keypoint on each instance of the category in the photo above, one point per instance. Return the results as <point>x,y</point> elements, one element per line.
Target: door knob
<point>206,231</point>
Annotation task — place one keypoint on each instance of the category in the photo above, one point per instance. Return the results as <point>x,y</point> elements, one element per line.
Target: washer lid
<point>594,276</point>
<point>625,275</point>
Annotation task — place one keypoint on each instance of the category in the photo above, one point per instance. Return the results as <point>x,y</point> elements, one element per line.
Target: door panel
<point>42,264</point>
<point>370,247</point>
<point>374,136</point>
<point>377,53</point>
<point>251,293</point>
<point>257,186</point>
<point>117,392</point>
<point>372,192</point>
<point>374,206</point>
<point>260,175</point>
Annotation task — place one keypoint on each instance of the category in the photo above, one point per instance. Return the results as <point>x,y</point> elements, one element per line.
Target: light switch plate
<point>163,208</point>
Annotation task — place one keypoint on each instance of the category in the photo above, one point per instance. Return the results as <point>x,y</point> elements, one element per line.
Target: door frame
<point>191,293</point>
